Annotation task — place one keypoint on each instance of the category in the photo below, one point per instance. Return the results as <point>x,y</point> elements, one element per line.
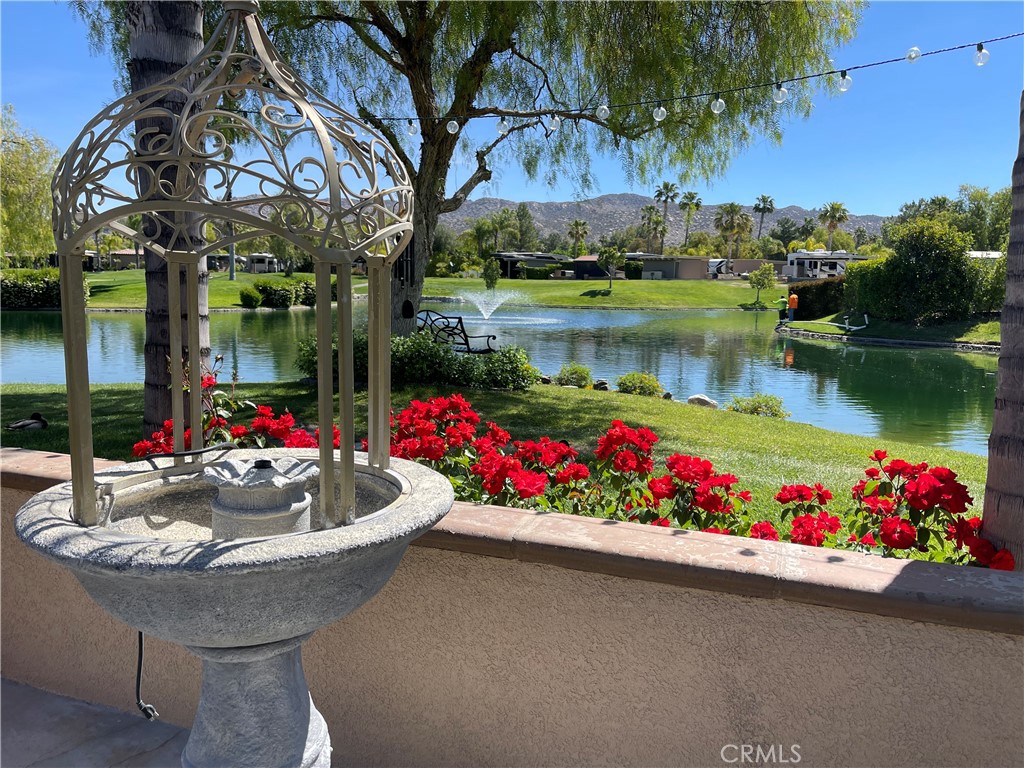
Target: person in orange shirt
<point>793,301</point>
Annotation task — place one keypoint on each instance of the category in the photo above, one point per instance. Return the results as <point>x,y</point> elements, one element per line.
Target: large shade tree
<point>27,162</point>
<point>1003,521</point>
<point>438,62</point>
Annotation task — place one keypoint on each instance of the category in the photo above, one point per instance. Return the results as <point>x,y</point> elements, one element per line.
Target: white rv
<point>814,265</point>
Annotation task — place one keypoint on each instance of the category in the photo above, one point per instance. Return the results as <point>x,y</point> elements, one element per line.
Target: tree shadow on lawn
<point>596,292</point>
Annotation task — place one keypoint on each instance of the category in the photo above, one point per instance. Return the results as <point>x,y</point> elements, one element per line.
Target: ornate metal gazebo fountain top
<point>234,146</point>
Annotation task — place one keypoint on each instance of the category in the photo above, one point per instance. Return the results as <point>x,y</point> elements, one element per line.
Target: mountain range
<point>608,213</point>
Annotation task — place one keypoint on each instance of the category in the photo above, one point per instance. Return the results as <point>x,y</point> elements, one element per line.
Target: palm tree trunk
<point>163,37</point>
<point>760,226</point>
<point>1003,521</point>
<point>686,235</point>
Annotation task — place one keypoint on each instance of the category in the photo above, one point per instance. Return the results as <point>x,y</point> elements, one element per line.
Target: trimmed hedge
<point>817,298</point>
<point>32,288</point>
<point>539,273</point>
<point>418,359</point>
<point>305,291</point>
<point>634,270</point>
<point>276,294</point>
<point>249,297</point>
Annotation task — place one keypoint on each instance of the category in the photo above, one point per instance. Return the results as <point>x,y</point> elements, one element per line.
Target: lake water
<point>929,396</point>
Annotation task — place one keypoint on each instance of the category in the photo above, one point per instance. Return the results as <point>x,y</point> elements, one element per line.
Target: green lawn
<point>973,331</point>
<point>126,289</point>
<point>633,294</point>
<point>764,453</point>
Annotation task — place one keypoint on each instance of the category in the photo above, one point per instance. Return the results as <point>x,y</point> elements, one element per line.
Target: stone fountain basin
<point>150,566</point>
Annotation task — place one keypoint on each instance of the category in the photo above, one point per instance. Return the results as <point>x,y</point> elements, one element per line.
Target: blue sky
<point>901,132</point>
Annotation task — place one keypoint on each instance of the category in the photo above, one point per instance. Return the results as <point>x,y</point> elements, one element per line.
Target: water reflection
<point>929,396</point>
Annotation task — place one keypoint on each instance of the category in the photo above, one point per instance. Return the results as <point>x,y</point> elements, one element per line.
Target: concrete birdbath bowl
<point>244,605</point>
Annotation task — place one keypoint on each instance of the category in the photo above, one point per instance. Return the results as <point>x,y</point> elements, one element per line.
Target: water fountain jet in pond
<point>487,302</point>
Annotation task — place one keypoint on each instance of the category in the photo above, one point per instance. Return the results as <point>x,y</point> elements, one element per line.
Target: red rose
<point>661,522</point>
<point>822,494</point>
<point>300,438</point>
<point>209,382</point>
<point>897,533</point>
<point>529,484</point>
<point>1002,561</point>
<point>963,531</point>
<point>764,530</point>
<point>717,530</point>
<point>806,529</point>
<point>879,456</point>
<point>982,550</point>
<point>663,487</point>
<point>689,469</point>
<point>143,448</point>
<point>625,461</point>
<point>572,472</point>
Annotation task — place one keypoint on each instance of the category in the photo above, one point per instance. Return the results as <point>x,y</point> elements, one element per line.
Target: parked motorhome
<point>260,262</point>
<point>814,265</point>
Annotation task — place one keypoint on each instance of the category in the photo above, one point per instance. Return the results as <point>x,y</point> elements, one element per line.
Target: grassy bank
<point>634,294</point>
<point>764,453</point>
<point>126,289</point>
<point>973,331</point>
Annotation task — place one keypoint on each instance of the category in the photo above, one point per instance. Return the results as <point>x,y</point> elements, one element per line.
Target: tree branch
<point>388,133</point>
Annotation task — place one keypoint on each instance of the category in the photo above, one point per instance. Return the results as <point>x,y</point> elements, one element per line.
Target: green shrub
<point>32,288</point>
<point>418,359</point>
<point>759,404</point>
<point>867,289</point>
<point>538,273</point>
<point>508,368</point>
<point>277,294</point>
<point>634,270</point>
<point>991,284</point>
<point>818,298</point>
<point>249,297</point>
<point>573,375</point>
<point>639,383</point>
<point>305,291</point>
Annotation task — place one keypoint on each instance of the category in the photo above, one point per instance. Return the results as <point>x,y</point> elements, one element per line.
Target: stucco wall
<point>466,658</point>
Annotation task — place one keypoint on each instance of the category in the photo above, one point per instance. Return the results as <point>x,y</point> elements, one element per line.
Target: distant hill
<point>608,213</point>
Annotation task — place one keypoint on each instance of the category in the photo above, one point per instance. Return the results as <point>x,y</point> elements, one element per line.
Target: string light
<point>779,92</point>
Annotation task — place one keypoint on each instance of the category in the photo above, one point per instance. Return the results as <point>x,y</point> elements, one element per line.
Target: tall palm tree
<point>481,230</point>
<point>689,203</point>
<point>667,193</point>
<point>503,224</point>
<point>648,216</point>
<point>832,215</point>
<point>578,232</point>
<point>1003,521</point>
<point>732,221</point>
<point>763,206</point>
<point>162,38</point>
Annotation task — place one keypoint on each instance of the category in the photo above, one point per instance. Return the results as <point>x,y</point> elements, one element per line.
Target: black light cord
<point>147,709</point>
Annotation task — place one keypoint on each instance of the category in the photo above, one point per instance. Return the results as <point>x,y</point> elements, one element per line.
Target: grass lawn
<point>764,453</point>
<point>633,294</point>
<point>973,331</point>
<point>126,289</point>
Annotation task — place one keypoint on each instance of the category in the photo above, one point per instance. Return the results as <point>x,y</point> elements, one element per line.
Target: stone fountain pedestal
<point>243,605</point>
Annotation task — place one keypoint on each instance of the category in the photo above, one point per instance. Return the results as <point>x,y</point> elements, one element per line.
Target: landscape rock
<point>545,379</point>
<point>702,400</point>
<point>667,396</point>
<point>601,385</point>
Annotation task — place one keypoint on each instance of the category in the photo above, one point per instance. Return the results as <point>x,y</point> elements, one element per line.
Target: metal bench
<point>451,330</point>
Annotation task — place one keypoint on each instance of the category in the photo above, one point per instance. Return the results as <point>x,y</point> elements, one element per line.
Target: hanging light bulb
<point>913,54</point>
<point>503,126</point>
<point>554,123</point>
<point>981,56</point>
<point>413,129</point>
<point>453,126</point>
<point>845,81</point>
<point>659,113</point>
<point>603,112</point>
<point>718,106</point>
<point>780,93</point>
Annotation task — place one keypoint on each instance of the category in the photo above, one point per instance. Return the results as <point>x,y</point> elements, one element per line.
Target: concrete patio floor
<point>45,729</point>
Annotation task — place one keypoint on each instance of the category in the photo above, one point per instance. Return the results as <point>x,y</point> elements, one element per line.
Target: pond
<point>928,396</point>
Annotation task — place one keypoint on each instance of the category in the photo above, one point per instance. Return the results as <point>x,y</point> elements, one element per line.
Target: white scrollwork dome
<point>233,146</point>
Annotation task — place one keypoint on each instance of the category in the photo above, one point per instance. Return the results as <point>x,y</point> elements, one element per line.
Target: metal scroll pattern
<point>252,151</point>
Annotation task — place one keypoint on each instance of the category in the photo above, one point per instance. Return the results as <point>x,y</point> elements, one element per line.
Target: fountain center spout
<point>261,497</point>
